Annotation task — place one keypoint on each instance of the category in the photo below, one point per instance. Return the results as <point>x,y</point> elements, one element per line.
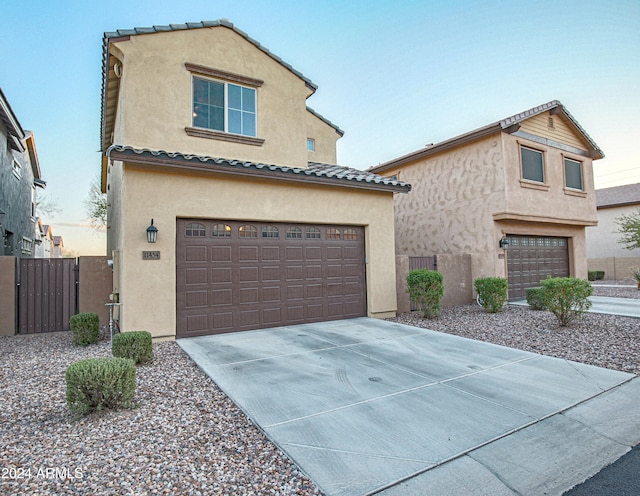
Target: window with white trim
<point>223,106</point>
<point>17,169</point>
<point>311,145</point>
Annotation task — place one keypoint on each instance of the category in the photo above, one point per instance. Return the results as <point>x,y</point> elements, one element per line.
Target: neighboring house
<point>603,249</point>
<point>58,247</point>
<point>43,240</point>
<point>526,180</point>
<point>206,135</point>
<point>19,177</point>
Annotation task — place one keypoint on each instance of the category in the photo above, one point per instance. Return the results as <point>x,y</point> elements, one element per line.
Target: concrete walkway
<point>366,406</point>
<point>626,307</point>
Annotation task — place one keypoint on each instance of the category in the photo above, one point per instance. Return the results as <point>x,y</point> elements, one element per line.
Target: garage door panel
<point>247,253</point>
<point>196,276</point>
<point>221,253</point>
<point>221,275</point>
<point>196,254</point>
<point>244,277</point>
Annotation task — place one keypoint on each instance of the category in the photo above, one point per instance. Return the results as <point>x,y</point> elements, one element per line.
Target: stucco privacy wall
<point>450,207</point>
<point>615,268</point>
<point>155,85</point>
<point>148,287</point>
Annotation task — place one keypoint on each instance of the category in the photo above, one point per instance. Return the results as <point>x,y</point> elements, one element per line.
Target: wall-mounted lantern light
<point>152,233</point>
<point>504,243</point>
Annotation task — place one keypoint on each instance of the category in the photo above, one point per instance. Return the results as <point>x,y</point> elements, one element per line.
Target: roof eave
<point>260,171</point>
<point>9,119</point>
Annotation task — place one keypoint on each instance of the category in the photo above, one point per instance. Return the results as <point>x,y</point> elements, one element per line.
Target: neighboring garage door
<point>236,276</point>
<point>532,258</point>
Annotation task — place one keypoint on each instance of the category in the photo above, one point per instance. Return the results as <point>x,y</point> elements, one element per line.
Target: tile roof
<point>205,24</point>
<point>315,172</point>
<point>628,194</point>
<point>510,124</point>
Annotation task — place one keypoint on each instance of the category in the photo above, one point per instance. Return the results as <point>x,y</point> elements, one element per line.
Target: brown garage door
<point>532,258</point>
<point>235,276</point>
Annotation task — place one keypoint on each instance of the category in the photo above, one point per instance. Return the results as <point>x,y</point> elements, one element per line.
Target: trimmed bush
<point>492,292</point>
<point>136,345</point>
<point>595,275</point>
<point>85,328</point>
<point>534,298</point>
<point>426,289</point>
<point>100,383</point>
<point>566,297</point>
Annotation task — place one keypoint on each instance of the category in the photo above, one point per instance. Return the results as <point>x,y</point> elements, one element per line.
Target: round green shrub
<point>426,289</point>
<point>99,383</point>
<point>85,328</point>
<point>492,292</point>
<point>136,345</point>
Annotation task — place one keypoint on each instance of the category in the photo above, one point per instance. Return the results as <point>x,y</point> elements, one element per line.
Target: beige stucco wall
<point>449,209</point>
<point>602,240</point>
<point>463,201</point>
<point>155,99</point>
<point>325,140</point>
<point>148,287</point>
<point>553,204</point>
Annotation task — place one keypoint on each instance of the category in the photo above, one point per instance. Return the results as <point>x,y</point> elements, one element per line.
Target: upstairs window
<point>17,169</point>
<point>311,145</point>
<point>224,107</point>
<point>532,164</point>
<point>573,174</point>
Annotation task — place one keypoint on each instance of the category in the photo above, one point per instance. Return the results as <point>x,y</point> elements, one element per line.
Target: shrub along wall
<point>615,268</point>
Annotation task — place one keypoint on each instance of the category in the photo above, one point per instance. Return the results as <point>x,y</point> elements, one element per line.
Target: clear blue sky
<point>394,75</point>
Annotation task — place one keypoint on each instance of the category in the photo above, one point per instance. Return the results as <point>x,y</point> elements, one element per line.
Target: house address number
<point>150,255</point>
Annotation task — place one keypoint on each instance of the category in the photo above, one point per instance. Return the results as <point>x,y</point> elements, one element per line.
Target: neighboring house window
<point>313,233</point>
<point>311,145</point>
<point>225,107</point>
<point>247,231</point>
<point>532,164</point>
<point>195,230</point>
<point>270,232</point>
<point>294,233</point>
<point>27,246</point>
<point>573,174</point>
<point>221,231</point>
<point>33,203</point>
<point>333,233</point>
<point>17,169</point>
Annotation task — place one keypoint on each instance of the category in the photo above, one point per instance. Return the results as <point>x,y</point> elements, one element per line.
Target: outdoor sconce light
<point>152,233</point>
<point>504,243</point>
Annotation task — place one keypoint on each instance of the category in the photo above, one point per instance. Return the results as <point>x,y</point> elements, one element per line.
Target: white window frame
<point>311,145</point>
<point>226,105</point>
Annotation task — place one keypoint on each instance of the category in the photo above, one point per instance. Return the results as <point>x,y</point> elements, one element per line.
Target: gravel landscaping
<point>187,437</point>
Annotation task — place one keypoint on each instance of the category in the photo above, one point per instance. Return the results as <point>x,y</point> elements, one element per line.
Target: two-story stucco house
<point>206,135</point>
<point>19,177</point>
<point>516,195</point>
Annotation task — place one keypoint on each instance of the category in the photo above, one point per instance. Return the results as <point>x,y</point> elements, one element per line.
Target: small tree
<point>95,206</point>
<point>630,230</point>
<point>426,289</point>
<point>566,297</point>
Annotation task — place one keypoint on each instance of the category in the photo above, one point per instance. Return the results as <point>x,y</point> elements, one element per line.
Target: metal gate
<point>47,294</point>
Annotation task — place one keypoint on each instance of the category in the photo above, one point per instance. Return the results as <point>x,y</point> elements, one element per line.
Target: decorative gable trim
<point>224,75</point>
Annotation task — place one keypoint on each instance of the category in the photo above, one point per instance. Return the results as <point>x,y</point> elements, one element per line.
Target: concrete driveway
<point>365,406</point>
